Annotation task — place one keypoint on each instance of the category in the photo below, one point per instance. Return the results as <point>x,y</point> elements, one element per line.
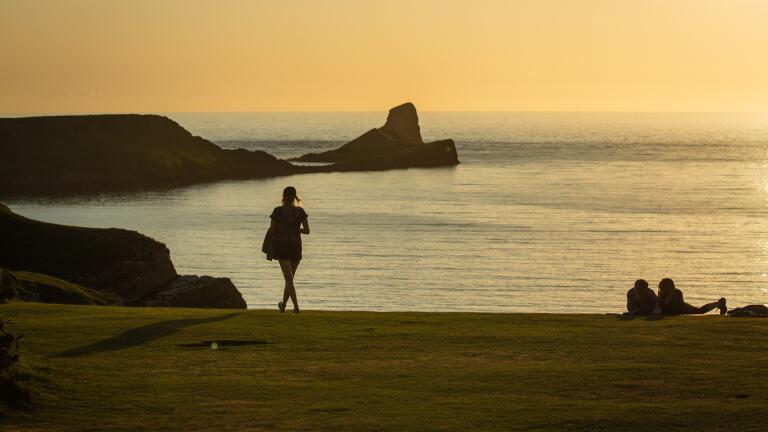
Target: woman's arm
<point>304,227</point>
<point>273,226</point>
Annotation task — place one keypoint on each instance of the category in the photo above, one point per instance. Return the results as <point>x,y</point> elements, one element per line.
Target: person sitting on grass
<point>641,300</point>
<point>671,301</point>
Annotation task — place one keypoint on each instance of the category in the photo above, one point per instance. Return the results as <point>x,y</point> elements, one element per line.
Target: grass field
<point>111,368</point>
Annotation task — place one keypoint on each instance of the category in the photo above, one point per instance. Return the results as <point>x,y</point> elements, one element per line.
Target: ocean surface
<point>548,212</point>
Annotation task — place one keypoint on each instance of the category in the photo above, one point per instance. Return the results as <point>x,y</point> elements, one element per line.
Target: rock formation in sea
<point>50,155</point>
<point>403,124</point>
<point>123,265</point>
<point>397,144</point>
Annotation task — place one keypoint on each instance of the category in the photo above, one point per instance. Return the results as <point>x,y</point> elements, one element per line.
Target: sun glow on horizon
<point>342,55</point>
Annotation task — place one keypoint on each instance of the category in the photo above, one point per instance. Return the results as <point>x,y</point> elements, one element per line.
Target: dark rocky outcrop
<point>192,291</point>
<point>397,144</point>
<point>123,265</point>
<point>112,260</point>
<point>105,152</point>
<point>49,155</point>
<point>403,125</point>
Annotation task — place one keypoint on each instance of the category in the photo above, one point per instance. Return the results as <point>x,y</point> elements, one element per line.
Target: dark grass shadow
<point>141,335</point>
<point>649,317</point>
<point>224,343</point>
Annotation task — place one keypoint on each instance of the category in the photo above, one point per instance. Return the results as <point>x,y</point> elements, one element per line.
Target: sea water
<point>547,212</point>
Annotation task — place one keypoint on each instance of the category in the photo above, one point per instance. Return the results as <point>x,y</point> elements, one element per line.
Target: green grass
<point>87,296</point>
<point>111,368</point>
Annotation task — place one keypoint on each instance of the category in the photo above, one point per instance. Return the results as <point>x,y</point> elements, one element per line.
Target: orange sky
<point>247,55</point>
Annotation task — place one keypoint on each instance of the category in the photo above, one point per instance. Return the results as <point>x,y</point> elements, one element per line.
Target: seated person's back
<point>640,298</point>
<point>672,302</point>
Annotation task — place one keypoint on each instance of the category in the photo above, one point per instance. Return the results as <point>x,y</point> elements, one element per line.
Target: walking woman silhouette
<point>289,222</point>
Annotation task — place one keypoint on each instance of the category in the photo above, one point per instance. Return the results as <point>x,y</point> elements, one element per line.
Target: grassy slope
<point>88,296</point>
<point>124,369</point>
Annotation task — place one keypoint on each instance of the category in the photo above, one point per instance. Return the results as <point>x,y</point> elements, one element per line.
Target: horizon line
<point>160,112</point>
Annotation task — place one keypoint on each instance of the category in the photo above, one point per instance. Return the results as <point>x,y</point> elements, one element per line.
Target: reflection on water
<point>545,225</point>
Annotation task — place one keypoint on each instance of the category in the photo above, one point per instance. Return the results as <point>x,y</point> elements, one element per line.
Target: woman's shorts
<point>288,251</point>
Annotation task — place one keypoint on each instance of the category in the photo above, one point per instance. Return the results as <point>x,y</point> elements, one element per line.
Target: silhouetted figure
<point>289,221</point>
<point>641,300</point>
<point>755,310</point>
<point>671,301</point>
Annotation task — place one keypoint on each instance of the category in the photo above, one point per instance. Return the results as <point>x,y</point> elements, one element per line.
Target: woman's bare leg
<point>290,291</point>
<point>708,307</point>
<point>294,266</point>
<point>704,309</point>
<point>720,304</point>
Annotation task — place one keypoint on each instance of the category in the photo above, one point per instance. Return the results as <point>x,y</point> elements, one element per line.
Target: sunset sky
<point>237,55</point>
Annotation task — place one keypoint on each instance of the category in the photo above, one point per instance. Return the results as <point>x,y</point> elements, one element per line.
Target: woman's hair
<point>666,285</point>
<point>289,197</point>
<point>667,300</point>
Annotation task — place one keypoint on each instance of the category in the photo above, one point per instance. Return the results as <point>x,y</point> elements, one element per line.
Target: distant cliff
<point>126,266</point>
<point>113,151</point>
<point>129,151</point>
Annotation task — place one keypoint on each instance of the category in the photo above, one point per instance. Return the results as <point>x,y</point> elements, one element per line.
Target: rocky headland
<point>95,153</point>
<point>50,155</point>
<point>397,144</point>
<point>66,264</point>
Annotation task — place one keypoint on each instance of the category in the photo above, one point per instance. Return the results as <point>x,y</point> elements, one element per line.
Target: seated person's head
<point>666,285</point>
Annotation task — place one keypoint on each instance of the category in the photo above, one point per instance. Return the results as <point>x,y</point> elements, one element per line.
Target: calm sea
<point>548,212</point>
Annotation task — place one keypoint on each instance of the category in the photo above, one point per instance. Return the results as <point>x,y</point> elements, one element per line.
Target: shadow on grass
<point>224,343</point>
<point>649,317</point>
<point>141,335</point>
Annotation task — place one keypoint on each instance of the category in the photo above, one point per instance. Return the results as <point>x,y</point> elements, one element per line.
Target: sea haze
<point>548,212</point>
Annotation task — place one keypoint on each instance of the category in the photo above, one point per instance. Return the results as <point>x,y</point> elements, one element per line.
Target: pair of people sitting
<point>669,301</point>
